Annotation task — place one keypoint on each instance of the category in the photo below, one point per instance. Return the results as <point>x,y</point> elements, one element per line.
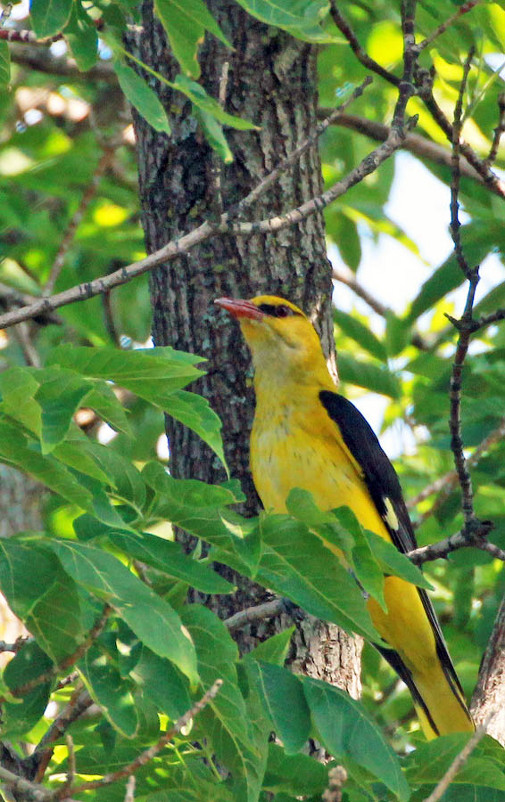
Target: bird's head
<point>281,338</point>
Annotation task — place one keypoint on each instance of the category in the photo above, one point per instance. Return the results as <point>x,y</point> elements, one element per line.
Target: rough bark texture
<point>20,502</point>
<point>272,82</point>
<point>489,695</point>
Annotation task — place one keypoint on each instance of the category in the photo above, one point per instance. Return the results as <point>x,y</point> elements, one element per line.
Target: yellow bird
<point>308,436</point>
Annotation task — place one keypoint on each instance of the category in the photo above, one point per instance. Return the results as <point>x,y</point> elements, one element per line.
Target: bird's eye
<point>274,310</point>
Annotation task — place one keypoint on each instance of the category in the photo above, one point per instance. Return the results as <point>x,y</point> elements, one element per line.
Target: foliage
<point>106,563</point>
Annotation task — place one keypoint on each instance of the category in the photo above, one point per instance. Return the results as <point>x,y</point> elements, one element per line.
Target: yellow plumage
<point>305,435</point>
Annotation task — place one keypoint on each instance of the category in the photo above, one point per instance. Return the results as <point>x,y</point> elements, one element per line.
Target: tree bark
<point>489,695</point>
<point>272,82</point>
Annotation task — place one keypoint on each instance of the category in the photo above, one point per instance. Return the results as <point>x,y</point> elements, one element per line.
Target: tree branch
<point>361,54</point>
<point>414,143</point>
<point>465,538</point>
<point>42,60</point>
<point>457,764</point>
<point>76,219</point>
<point>80,701</point>
<point>463,9</point>
<point>251,615</point>
<point>445,484</point>
<point>177,247</point>
<point>148,754</point>
<point>69,661</point>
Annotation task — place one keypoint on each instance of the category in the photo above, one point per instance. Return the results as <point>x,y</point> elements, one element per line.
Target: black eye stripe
<point>277,310</point>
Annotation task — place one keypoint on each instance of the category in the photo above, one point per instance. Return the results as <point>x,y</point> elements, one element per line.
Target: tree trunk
<point>272,82</point>
<point>489,695</point>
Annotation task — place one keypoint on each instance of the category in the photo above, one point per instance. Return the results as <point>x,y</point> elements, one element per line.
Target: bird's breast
<point>291,449</point>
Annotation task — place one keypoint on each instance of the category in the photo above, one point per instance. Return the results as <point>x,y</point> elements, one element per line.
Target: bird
<point>306,435</point>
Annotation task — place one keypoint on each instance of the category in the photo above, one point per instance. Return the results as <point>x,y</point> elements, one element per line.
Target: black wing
<point>383,485</point>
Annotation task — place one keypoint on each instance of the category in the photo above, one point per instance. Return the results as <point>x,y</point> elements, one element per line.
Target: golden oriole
<point>308,436</point>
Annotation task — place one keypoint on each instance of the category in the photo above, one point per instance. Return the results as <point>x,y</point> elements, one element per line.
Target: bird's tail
<point>418,653</point>
<point>439,702</point>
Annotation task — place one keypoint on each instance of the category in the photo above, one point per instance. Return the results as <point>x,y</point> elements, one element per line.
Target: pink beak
<point>240,309</point>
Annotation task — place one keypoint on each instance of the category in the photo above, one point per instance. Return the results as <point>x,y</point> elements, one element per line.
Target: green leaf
<point>226,721</point>
<point>376,378</point>
<point>185,23</point>
<point>430,761</point>
<point>398,333</point>
<point>195,412</point>
<point>163,684</point>
<point>340,529</point>
<point>301,18</point>
<point>124,479</point>
<point>477,241</point>
<point>285,701</point>
<point>110,691</point>
<point>295,563</point>
<point>148,370</point>
<point>42,595</point>
<point>28,664</point>
<point>273,650</point>
<point>49,17</point>
<point>363,559</point>
<point>18,387</point>
<point>199,508</point>
<point>360,333</point>
<point>214,135</point>
<point>394,562</point>
<point>103,400</point>
<point>347,732</point>
<point>151,618</point>
<point>167,557</point>
<point>15,451</point>
<point>295,774</point>
<point>142,97</point>
<point>206,103</point>
<point>5,63</point>
<point>82,37</point>
<point>60,395</point>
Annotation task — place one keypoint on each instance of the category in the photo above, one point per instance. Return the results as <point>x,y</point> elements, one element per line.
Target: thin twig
<point>406,87</point>
<point>30,353</point>
<point>150,753</point>
<point>361,54</point>
<point>464,325</point>
<point>13,647</point>
<point>464,9</point>
<point>69,661</point>
<point>26,37</point>
<point>77,217</point>
<point>71,771</point>
<point>445,484</point>
<point>458,762</point>
<point>78,704</point>
<point>465,538</point>
<point>217,164</point>
<point>490,179</point>
<point>456,144</point>
<point>42,60</point>
<point>414,143</point>
<point>498,131</point>
<point>130,789</point>
<point>488,320</point>
<point>176,247</point>
<point>25,788</point>
<point>259,612</point>
<point>295,154</point>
